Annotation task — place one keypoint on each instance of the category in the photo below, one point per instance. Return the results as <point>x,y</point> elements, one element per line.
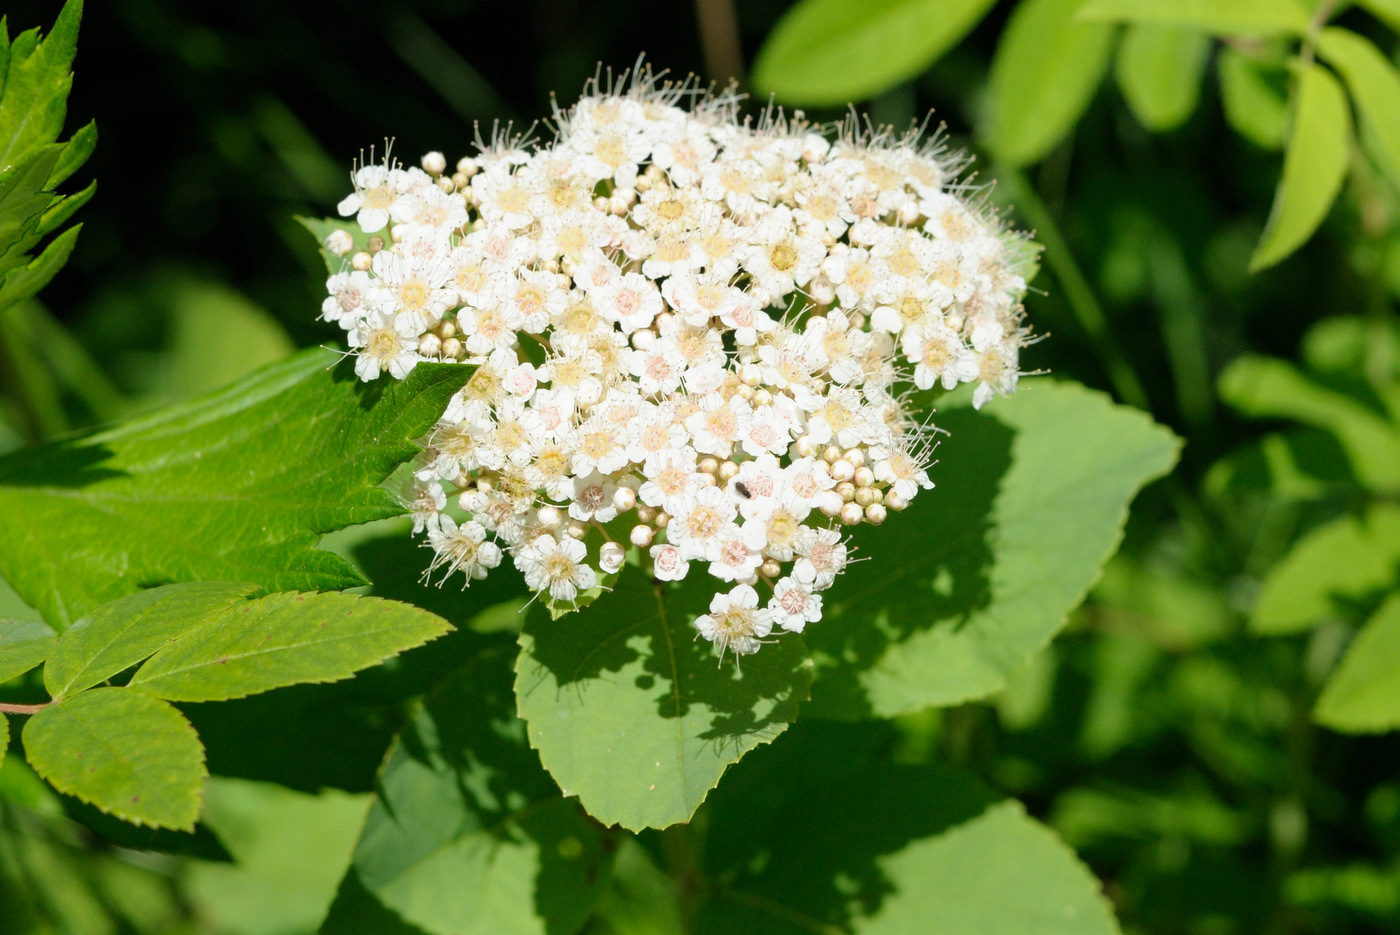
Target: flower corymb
<point>697,337</point>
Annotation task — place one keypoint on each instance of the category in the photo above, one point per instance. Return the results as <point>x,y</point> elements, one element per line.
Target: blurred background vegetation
<point>1169,736</point>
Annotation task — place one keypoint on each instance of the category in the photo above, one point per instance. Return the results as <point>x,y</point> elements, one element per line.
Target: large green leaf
<point>238,485</point>
<point>822,834</point>
<point>125,752</point>
<point>1266,387</point>
<point>1256,107</point>
<point>35,97</point>
<point>632,714</point>
<point>1363,695</point>
<point>1159,71</point>
<point>1045,71</point>
<point>1331,571</point>
<point>248,647</point>
<point>468,833</point>
<point>959,590</point>
<point>1319,146</point>
<point>1227,18</point>
<point>826,52</point>
<point>120,634</point>
<point>1375,88</point>
<point>23,645</point>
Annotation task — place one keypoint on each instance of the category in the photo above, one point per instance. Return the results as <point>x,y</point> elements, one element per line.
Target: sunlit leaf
<point>1375,88</point>
<point>125,752</point>
<point>836,51</point>
<point>23,645</point>
<point>1159,70</point>
<point>1046,69</point>
<point>1228,18</point>
<point>1363,695</point>
<point>1256,107</point>
<point>1319,145</point>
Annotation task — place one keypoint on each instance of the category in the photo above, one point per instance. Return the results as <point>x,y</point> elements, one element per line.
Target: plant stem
<point>23,708</point>
<point>1078,293</point>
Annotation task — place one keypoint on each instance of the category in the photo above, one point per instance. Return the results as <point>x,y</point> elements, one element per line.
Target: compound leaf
<point>23,645</point>
<point>125,752</point>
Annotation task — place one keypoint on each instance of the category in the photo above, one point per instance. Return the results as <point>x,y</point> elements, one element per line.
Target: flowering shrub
<point>706,332</point>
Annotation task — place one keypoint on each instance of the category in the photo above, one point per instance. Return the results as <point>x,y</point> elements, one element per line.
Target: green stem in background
<point>72,363</point>
<point>31,384</point>
<point>1077,291</point>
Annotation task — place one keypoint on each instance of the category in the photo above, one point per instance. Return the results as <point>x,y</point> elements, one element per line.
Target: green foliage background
<point>1217,188</point>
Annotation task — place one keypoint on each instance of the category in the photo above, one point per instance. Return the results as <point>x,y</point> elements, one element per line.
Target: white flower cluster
<point>695,334</point>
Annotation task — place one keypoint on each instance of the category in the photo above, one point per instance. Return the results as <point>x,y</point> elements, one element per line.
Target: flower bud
<point>852,513</point>
<point>434,163</point>
<point>339,242</point>
<point>361,261</point>
<point>576,530</point>
<point>550,517</point>
<point>624,499</point>
<point>842,470</point>
<point>641,535</point>
<point>727,470</point>
<point>863,477</point>
<point>770,569</point>
<point>875,514</point>
<point>611,556</point>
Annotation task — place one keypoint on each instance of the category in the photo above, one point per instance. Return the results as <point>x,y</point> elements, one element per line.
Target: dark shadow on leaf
<point>927,567</point>
<point>70,464</point>
<point>801,826</point>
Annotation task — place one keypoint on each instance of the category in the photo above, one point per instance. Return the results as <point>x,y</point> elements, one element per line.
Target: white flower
<point>823,557</point>
<point>698,521</point>
<point>462,548</point>
<point>556,566</point>
<point>385,346</point>
<point>668,564</point>
<point>794,605</point>
<point>734,622</point>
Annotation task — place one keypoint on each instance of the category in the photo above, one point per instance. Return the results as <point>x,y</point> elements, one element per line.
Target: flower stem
<point>23,708</point>
<point>1079,295</point>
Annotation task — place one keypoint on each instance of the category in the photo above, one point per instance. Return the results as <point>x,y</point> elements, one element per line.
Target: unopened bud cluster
<point>694,337</point>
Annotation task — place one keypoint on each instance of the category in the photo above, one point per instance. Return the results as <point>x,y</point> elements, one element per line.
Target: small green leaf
<point>959,591</point>
<point>634,715</point>
<point>23,645</point>
<point>825,52</point>
<point>236,486</point>
<point>75,153</point>
<point>324,227</point>
<point>1375,88</point>
<point>1363,695</point>
<point>1254,105</point>
<point>1228,18</point>
<point>1318,149</point>
<point>248,647</point>
<point>1046,69</point>
<point>1265,387</point>
<point>21,283</point>
<point>63,209</point>
<point>1331,570</point>
<point>1159,71</point>
<point>124,632</point>
<point>129,754</point>
<point>823,834</point>
<point>468,833</point>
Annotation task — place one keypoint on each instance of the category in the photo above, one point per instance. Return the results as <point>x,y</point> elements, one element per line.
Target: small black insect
<point>743,491</point>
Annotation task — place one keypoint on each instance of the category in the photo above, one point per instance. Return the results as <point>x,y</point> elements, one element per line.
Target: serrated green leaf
<point>1265,387</point>
<point>36,87</point>
<point>468,833</point>
<point>24,194</point>
<point>127,753</point>
<point>958,591</point>
<point>825,52</point>
<point>1319,145</point>
<point>632,714</point>
<point>1363,694</point>
<point>124,632</point>
<point>1255,107</point>
<point>1375,89</point>
<point>247,647</point>
<point>238,485</point>
<point>23,645</point>
<point>1159,71</point>
<point>823,834</point>
<point>1046,69</point>
<point>1230,18</point>
<point>75,153</point>
<point>322,228</point>
<point>25,281</point>
<point>1333,569</point>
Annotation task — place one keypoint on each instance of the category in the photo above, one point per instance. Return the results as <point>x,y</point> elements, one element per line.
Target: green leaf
<point>23,645</point>
<point>21,283</point>
<point>289,852</point>
<point>236,486</point>
<point>1375,88</point>
<point>129,754</point>
<point>825,52</point>
<point>124,632</point>
<point>1330,571</point>
<point>1319,147</point>
<point>1265,387</point>
<point>1363,695</point>
<point>1229,18</point>
<point>822,834</point>
<point>24,194</point>
<point>958,591</point>
<point>75,153</point>
<point>1256,107</point>
<point>1387,11</point>
<point>1046,69</point>
<point>35,96</point>
<point>1159,71</point>
<point>324,227</point>
<point>468,833</point>
<point>633,715</point>
<point>283,639</point>
<point>639,900</point>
